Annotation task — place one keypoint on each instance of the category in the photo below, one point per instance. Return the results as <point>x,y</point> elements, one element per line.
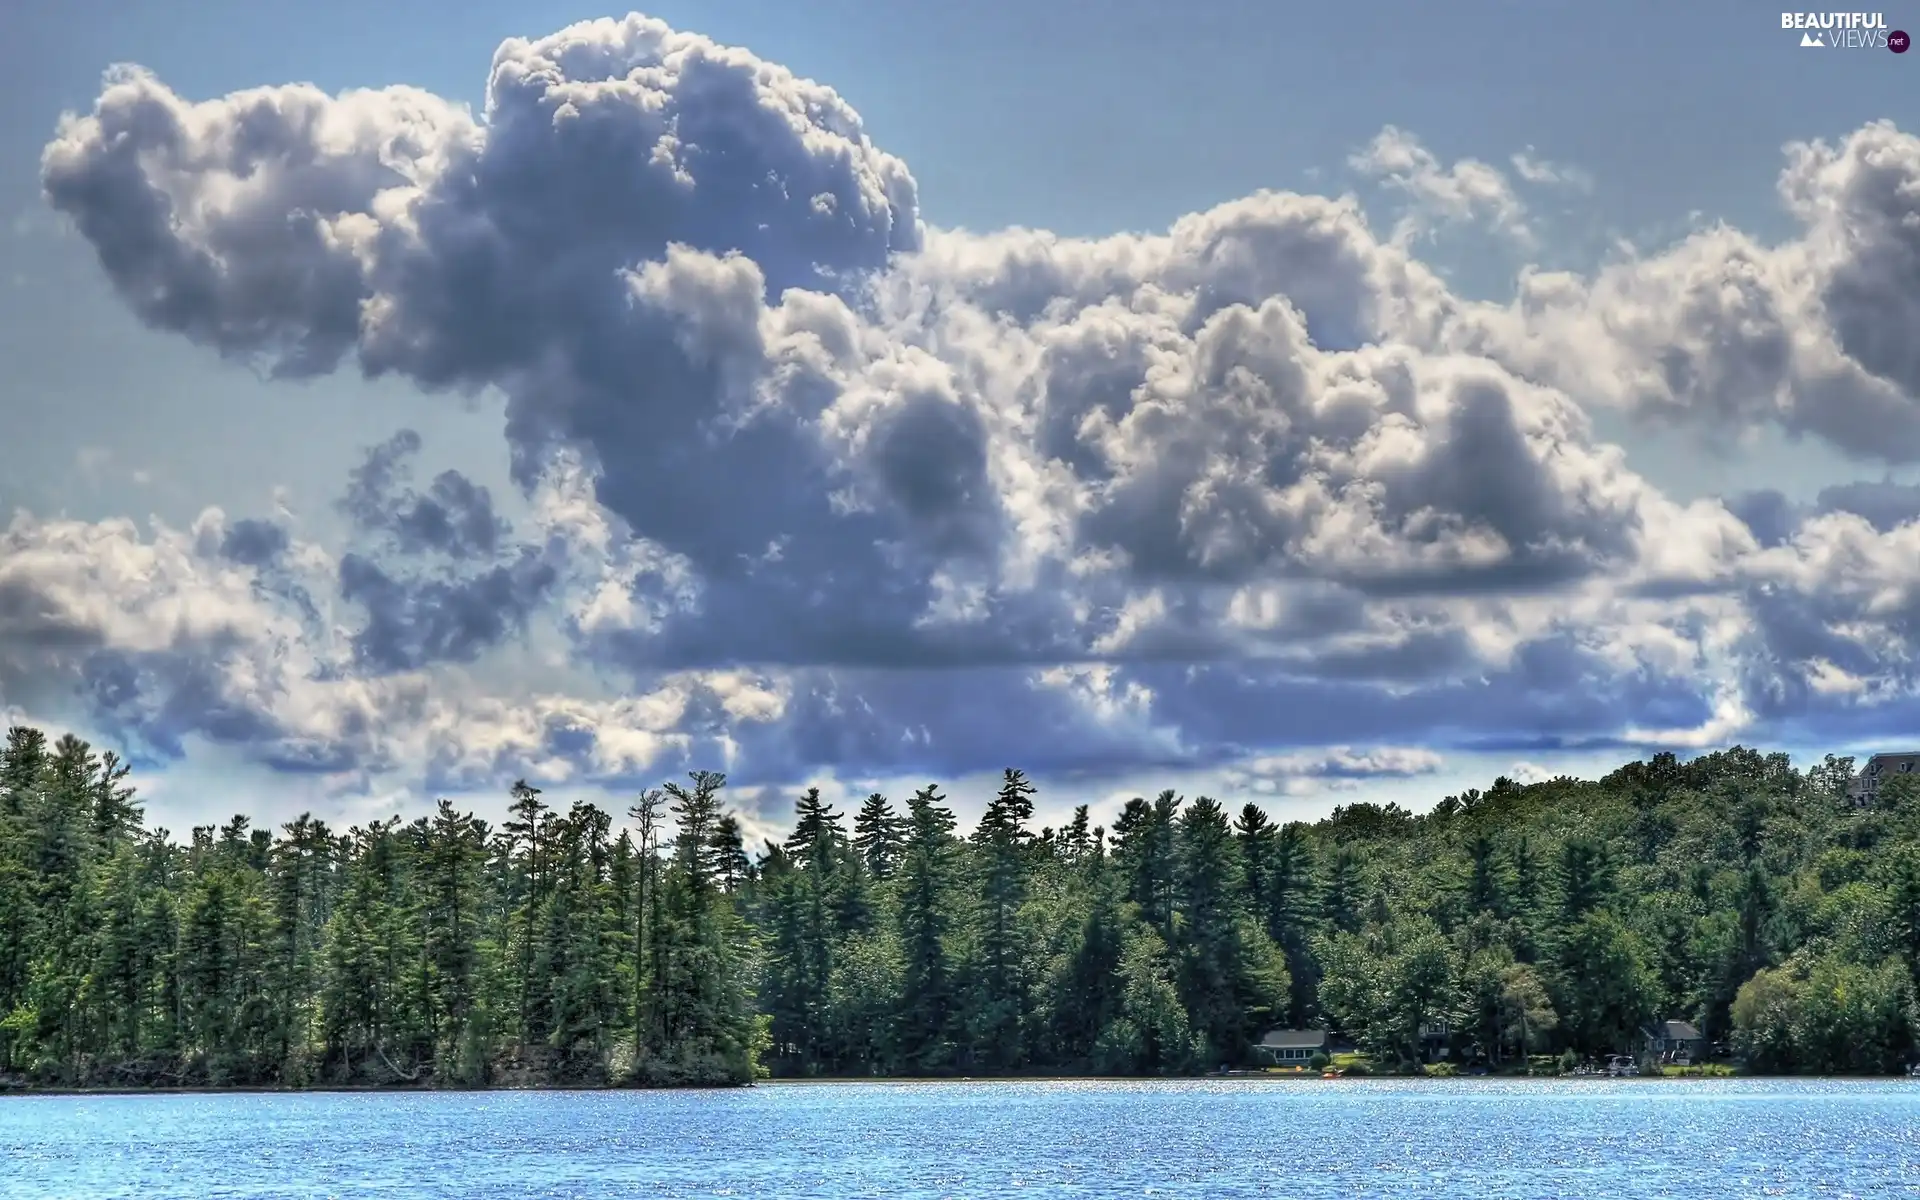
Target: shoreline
<point>918,1081</point>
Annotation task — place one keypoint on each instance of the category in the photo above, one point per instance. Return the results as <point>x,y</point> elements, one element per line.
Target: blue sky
<point>1092,581</point>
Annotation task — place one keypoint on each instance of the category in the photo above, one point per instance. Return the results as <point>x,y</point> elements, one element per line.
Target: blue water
<point>1464,1140</point>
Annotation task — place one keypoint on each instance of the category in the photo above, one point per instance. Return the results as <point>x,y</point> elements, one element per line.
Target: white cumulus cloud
<point>818,486</point>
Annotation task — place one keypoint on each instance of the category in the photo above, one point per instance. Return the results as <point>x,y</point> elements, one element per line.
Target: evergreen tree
<point>1340,897</point>
<point>1001,1011</point>
<point>708,1029</point>
<point>527,835</point>
<point>453,854</point>
<point>1537,920</point>
<point>877,836</point>
<point>730,861</point>
<point>800,896</point>
<point>926,999</point>
<point>649,963</point>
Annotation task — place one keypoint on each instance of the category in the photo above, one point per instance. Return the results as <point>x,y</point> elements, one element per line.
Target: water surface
<point>1463,1140</point>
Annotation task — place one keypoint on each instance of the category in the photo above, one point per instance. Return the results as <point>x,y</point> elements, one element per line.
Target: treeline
<point>1555,918</point>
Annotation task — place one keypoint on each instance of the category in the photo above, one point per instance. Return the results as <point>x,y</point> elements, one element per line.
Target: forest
<point>656,947</point>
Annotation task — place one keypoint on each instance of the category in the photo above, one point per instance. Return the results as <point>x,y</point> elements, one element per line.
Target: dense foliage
<point>1732,891</point>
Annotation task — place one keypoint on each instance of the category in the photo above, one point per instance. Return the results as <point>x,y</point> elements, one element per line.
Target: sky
<point>1286,405</point>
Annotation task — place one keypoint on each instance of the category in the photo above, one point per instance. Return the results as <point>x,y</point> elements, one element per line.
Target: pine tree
<point>1144,846</point>
<point>1730,890</point>
<point>926,999</point>
<point>1340,898</point>
<point>453,852</point>
<point>1256,839</point>
<point>1001,1012</point>
<point>1486,890</point>
<point>527,834</point>
<point>299,888</point>
<point>802,903</point>
<point>649,965</point>
<point>23,766</point>
<point>710,1032</point>
<point>730,853</point>
<point>877,835</point>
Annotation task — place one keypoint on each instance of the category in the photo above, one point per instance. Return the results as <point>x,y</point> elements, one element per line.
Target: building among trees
<point>1734,895</point>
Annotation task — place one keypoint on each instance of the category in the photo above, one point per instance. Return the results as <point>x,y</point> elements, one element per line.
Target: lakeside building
<point>1865,787</point>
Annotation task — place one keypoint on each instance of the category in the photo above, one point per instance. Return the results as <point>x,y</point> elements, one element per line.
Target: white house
<point>1291,1047</point>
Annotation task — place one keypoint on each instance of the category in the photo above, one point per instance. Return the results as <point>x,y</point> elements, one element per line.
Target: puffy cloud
<point>1773,518</point>
<point>1837,610</point>
<point>287,225</point>
<point>1468,191</point>
<point>414,622</point>
<point>1861,202</point>
<point>165,634</point>
<point>1726,334</point>
<point>170,639</point>
<point>1767,514</point>
<point>828,489</point>
<point>1527,772</point>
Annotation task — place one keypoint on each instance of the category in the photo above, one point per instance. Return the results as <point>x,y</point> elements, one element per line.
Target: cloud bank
<point>817,485</point>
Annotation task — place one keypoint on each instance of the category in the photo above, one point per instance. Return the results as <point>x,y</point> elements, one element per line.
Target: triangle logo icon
<point>1812,39</point>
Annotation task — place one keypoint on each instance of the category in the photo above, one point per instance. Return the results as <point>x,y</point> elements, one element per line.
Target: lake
<point>1463,1140</point>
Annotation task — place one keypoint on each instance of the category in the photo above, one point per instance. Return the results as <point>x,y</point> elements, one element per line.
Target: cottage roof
<point>1294,1039</point>
<point>1676,1031</point>
<point>1889,763</point>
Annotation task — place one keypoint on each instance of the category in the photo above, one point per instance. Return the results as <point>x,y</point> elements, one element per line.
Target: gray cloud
<point>411,623</point>
<point>1886,506</point>
<point>1862,202</point>
<point>419,611</point>
<point>254,543</point>
<point>828,489</point>
<point>1767,513</point>
<point>455,517</point>
<point>165,640</point>
<point>1773,518</point>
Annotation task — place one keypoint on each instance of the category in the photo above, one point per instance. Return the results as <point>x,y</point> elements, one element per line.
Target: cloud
<point>1767,514</point>
<point>1885,505</point>
<point>441,587</point>
<point>171,639</point>
<point>1837,609</point>
<point>1469,191</point>
<point>414,622</point>
<point>1725,335</point>
<point>1339,767</point>
<point>1861,203</point>
<point>291,227</point>
<point>455,517</point>
<point>1544,173</point>
<point>254,543</point>
<point>1527,772</point>
<point>1345,763</point>
<point>816,487</point>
